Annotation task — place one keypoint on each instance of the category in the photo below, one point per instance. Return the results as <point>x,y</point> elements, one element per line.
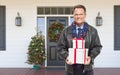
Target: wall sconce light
<point>99,20</point>
<point>18,20</point>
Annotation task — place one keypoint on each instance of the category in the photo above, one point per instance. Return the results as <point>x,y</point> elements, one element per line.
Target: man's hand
<point>68,61</point>
<point>88,59</point>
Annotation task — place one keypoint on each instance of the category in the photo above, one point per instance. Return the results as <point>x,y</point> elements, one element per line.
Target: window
<point>41,25</point>
<point>2,28</point>
<point>54,10</point>
<point>71,20</point>
<point>116,27</point>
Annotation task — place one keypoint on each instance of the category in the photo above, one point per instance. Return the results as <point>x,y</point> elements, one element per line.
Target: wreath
<point>55,30</point>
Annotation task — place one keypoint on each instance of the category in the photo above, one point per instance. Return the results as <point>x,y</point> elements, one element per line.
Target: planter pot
<point>36,67</point>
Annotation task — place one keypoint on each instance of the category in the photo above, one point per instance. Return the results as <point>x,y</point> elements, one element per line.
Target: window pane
<point>71,20</point>
<point>53,10</point>
<point>60,11</point>
<point>41,25</point>
<point>40,11</point>
<point>71,10</point>
<point>67,10</point>
<point>47,10</point>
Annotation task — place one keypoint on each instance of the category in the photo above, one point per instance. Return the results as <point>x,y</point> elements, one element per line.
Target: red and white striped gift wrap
<point>78,43</point>
<point>78,55</point>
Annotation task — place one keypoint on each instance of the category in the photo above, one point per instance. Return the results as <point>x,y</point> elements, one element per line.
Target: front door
<point>53,60</point>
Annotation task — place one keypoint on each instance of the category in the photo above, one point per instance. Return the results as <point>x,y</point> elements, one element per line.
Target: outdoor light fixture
<point>18,20</point>
<point>99,20</point>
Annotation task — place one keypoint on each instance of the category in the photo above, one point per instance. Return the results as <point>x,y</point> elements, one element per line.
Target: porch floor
<point>29,71</point>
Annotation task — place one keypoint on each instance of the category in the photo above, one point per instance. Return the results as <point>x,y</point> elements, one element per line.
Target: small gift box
<point>78,43</point>
<point>77,56</point>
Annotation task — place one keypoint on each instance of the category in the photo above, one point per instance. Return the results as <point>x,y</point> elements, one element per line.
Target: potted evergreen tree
<point>36,51</point>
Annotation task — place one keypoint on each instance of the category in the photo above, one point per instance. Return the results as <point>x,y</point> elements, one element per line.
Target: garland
<point>55,30</point>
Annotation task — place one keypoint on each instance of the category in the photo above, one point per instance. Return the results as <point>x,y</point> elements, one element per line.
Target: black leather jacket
<point>92,42</point>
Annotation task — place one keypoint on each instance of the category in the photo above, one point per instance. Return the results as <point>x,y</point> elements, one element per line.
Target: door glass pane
<point>41,25</point>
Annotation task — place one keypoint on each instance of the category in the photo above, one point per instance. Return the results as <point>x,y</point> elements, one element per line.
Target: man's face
<point>79,16</point>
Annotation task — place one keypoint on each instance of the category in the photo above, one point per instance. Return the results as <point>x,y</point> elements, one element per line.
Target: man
<point>92,42</point>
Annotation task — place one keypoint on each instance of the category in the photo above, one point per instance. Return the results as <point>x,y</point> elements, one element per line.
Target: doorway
<point>53,60</point>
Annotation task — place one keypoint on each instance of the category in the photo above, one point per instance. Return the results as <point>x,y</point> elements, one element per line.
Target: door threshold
<point>55,67</point>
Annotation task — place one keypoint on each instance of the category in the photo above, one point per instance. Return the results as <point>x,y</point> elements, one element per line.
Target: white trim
<point>46,39</point>
<point>54,15</point>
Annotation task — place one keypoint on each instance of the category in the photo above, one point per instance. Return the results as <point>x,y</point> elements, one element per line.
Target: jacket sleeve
<point>96,45</point>
<point>62,46</point>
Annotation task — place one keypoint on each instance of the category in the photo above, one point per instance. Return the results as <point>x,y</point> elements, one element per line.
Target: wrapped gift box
<point>77,56</point>
<point>78,43</point>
